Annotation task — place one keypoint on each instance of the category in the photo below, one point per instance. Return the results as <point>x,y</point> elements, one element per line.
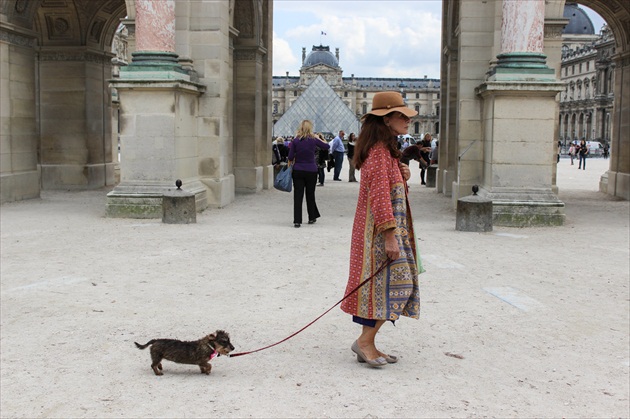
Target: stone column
<point>155,41</point>
<point>520,114</point>
<point>522,41</point>
<point>159,110</point>
<point>618,179</point>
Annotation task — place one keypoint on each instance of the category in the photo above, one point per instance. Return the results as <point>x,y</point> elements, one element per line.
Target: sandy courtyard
<point>515,323</point>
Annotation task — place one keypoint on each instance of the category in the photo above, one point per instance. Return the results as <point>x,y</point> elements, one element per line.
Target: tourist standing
<point>582,153</point>
<point>425,150</point>
<point>351,168</point>
<point>337,150</point>
<point>572,152</point>
<point>321,155</point>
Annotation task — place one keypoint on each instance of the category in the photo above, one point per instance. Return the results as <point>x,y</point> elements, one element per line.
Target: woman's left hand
<point>404,171</point>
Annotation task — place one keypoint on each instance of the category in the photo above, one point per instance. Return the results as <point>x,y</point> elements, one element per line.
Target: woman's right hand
<point>391,245</point>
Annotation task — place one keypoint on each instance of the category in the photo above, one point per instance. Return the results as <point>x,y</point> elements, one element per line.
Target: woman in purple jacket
<point>302,152</point>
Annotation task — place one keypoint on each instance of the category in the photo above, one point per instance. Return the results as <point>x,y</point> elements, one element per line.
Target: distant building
<point>321,74</point>
<point>586,105</point>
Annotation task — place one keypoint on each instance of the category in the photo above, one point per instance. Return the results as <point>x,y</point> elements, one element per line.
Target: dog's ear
<point>211,336</point>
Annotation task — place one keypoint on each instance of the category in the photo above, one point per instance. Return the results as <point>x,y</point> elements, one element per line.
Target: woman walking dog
<point>382,231</point>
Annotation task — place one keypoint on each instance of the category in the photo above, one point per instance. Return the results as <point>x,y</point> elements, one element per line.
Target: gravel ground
<point>515,323</point>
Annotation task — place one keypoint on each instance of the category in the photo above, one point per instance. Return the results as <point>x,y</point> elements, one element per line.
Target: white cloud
<point>375,38</point>
<point>283,56</point>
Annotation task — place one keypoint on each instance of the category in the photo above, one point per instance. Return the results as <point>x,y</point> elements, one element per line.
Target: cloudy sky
<point>375,38</point>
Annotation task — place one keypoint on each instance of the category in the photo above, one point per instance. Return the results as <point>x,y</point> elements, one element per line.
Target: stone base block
<point>120,205</point>
<point>533,208</point>
<point>474,214</point>
<point>145,201</point>
<point>248,179</point>
<point>618,185</point>
<point>178,207</point>
<point>77,176</point>
<point>19,186</point>
<point>431,176</point>
<point>220,191</point>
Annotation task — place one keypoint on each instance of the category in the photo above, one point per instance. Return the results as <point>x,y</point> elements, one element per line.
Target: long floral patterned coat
<point>382,205</point>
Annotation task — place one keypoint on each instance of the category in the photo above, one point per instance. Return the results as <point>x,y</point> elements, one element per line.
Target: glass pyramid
<point>324,107</point>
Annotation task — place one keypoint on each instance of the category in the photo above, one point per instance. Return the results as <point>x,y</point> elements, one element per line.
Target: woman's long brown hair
<point>374,131</point>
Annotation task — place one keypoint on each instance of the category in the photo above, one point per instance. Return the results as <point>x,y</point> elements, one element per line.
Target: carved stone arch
<point>616,13</point>
<point>245,20</point>
<point>21,12</point>
<point>103,24</point>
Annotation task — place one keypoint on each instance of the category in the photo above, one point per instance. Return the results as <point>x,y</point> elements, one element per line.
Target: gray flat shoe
<point>378,362</point>
<point>390,359</point>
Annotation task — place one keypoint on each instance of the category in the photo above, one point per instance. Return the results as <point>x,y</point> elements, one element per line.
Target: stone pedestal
<point>474,213</point>
<point>518,135</point>
<point>178,207</point>
<point>158,142</point>
<point>431,175</point>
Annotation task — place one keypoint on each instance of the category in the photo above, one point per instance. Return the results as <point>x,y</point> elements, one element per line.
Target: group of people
<point>581,151</point>
<point>425,153</point>
<point>383,254</point>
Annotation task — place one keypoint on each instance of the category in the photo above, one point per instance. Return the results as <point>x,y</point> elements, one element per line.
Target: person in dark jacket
<point>321,156</point>
<point>302,152</point>
<point>351,168</point>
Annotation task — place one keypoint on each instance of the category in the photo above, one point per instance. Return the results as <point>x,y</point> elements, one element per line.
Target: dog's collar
<point>214,353</point>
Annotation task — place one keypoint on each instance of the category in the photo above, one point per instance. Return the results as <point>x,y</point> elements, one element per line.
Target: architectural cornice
<point>65,55</point>
<point>10,35</point>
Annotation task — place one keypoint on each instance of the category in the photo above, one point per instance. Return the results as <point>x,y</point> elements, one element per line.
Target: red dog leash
<point>383,266</point>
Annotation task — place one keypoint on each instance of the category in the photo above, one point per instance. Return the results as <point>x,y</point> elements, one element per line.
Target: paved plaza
<point>517,322</point>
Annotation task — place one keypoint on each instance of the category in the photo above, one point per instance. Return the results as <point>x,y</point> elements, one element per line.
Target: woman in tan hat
<point>382,230</point>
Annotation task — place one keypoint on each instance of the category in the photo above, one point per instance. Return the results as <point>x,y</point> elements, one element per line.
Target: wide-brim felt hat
<point>384,103</point>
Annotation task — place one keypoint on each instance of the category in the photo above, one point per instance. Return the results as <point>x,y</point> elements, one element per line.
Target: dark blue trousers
<point>338,163</point>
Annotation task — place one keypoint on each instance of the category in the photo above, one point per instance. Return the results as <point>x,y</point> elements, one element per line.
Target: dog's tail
<point>151,342</point>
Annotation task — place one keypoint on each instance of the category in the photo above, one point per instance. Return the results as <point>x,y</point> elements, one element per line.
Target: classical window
<point>364,95</point>
<point>417,95</point>
<point>416,127</point>
<point>417,108</point>
<point>275,107</point>
<point>364,108</point>
<point>345,94</point>
<point>295,93</point>
<point>437,110</point>
<point>587,93</point>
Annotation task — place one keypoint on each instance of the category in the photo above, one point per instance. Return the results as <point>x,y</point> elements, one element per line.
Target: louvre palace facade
<point>334,102</point>
<point>586,104</point>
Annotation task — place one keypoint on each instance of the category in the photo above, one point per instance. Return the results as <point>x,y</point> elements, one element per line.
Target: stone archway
<point>252,76</point>
<point>57,133</point>
<point>617,15</point>
<point>489,96</point>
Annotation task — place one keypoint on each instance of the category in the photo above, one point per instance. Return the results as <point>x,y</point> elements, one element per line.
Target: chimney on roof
<point>337,54</point>
<point>303,55</point>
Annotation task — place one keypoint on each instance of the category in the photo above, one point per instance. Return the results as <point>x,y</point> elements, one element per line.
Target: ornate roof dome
<point>580,23</point>
<point>321,55</point>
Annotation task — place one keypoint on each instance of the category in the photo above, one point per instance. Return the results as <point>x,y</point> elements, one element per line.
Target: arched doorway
<point>58,56</point>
